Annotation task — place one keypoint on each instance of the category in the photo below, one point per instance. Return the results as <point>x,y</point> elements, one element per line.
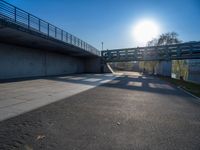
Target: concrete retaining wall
<point>20,62</point>
<point>163,68</point>
<point>93,65</point>
<point>194,71</point>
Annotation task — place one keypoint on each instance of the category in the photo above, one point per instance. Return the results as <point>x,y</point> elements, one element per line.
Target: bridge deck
<point>20,27</point>
<point>190,50</point>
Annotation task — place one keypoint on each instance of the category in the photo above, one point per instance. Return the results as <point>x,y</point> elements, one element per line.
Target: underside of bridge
<point>26,55</point>
<point>32,47</point>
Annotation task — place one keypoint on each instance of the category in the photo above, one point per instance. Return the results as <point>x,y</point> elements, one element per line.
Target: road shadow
<point>136,82</point>
<point>128,81</point>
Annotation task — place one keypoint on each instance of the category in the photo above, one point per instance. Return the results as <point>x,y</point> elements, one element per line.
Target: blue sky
<point>111,21</point>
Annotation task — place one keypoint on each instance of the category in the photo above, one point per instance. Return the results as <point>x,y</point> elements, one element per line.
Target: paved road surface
<point>18,97</point>
<point>132,112</point>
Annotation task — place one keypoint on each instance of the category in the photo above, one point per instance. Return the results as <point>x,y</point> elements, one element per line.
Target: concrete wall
<point>18,62</point>
<point>58,64</point>
<point>188,69</point>
<point>163,68</point>
<point>93,65</point>
<point>194,71</point>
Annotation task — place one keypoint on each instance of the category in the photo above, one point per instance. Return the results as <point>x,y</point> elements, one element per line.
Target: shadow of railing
<point>138,83</point>
<point>126,82</point>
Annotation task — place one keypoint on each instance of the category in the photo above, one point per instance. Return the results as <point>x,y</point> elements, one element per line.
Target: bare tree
<point>163,39</point>
<point>168,38</point>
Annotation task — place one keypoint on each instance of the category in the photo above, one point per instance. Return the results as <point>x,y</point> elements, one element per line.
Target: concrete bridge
<point>31,46</point>
<point>189,50</point>
<point>87,111</point>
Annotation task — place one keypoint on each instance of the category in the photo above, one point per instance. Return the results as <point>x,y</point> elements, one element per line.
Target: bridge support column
<point>106,68</point>
<point>164,68</point>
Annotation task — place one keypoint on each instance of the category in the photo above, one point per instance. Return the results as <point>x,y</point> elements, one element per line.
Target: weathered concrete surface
<point>58,64</point>
<point>164,68</point>
<point>132,112</point>
<point>18,62</point>
<point>92,64</point>
<point>194,70</point>
<point>22,96</point>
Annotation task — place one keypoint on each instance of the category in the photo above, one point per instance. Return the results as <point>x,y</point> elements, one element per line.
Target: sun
<point>145,31</point>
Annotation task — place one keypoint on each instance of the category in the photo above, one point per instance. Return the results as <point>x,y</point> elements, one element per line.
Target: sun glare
<point>145,31</point>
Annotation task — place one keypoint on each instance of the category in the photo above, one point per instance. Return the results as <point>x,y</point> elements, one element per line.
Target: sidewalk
<point>23,96</point>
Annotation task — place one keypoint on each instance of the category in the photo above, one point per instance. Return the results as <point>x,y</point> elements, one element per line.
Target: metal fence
<point>20,17</point>
<point>189,50</point>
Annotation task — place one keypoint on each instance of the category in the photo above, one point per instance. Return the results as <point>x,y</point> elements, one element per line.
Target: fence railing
<point>20,17</point>
<point>189,50</point>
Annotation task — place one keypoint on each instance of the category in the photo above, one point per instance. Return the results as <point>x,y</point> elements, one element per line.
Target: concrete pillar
<point>164,68</point>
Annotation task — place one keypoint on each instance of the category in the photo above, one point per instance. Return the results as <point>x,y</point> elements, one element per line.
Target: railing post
<point>28,21</point>
<point>66,36</point>
<point>167,53</point>
<point>70,39</point>
<point>78,43</point>
<point>48,29</point>
<point>39,24</point>
<point>178,53</point>
<point>55,32</point>
<point>15,13</point>
<point>62,35</point>
<point>74,41</point>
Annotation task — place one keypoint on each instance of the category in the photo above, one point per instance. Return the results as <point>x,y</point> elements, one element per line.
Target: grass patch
<point>188,86</point>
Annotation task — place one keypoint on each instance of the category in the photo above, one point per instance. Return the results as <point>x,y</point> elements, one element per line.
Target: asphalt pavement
<point>131,112</point>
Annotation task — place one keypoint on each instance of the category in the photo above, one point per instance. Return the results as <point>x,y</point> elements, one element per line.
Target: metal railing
<point>189,50</point>
<point>20,17</point>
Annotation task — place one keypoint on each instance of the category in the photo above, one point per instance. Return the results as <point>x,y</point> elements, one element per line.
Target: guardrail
<point>20,17</point>
<point>189,50</point>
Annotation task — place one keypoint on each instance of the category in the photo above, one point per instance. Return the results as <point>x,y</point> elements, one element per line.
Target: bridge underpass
<point>130,111</point>
<point>31,46</point>
<point>164,55</point>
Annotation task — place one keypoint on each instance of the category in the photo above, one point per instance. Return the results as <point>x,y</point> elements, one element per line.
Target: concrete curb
<point>197,98</point>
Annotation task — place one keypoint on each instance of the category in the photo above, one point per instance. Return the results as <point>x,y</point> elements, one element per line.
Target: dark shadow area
<point>129,82</point>
<point>144,83</point>
<point>140,82</point>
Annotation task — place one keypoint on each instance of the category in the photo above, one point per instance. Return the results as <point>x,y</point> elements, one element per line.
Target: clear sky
<point>112,21</point>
